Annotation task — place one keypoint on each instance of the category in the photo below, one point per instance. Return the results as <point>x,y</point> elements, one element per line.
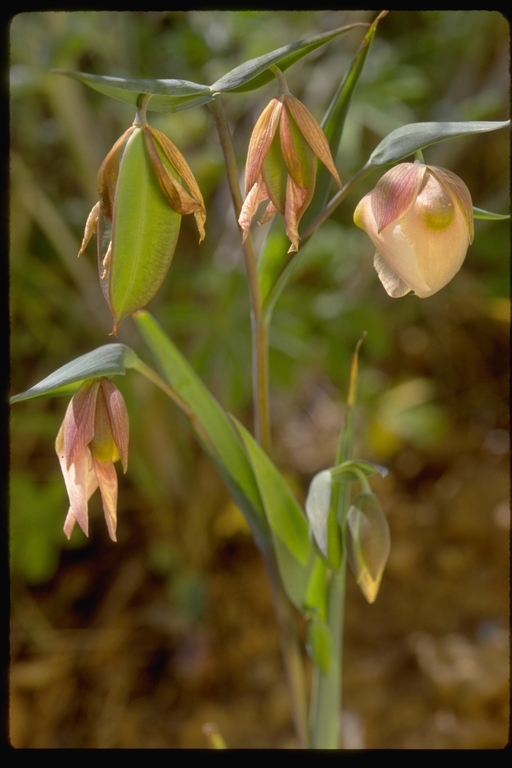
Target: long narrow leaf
<point>284,515</point>
<point>407,139</point>
<point>478,213</point>
<point>167,95</point>
<point>109,360</point>
<point>255,72</point>
<point>229,456</point>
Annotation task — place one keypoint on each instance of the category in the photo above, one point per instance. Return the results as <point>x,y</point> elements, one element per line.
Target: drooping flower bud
<point>420,219</point>
<point>282,158</point>
<point>93,435</point>
<point>144,186</point>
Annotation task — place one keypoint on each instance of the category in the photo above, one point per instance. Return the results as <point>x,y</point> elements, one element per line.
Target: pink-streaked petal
<point>119,421</point>
<point>257,194</point>
<point>313,133</point>
<point>393,284</point>
<point>69,524</point>
<point>107,481</point>
<point>260,142</point>
<point>80,482</point>
<point>400,253</point>
<point>395,192</point>
<point>295,166</point>
<point>269,212</point>
<point>297,200</point>
<point>78,422</point>
<point>459,193</point>
<point>392,245</point>
<point>91,227</point>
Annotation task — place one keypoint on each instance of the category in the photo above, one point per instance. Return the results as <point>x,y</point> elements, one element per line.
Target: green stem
<point>290,651</point>
<point>258,325</point>
<point>260,330</point>
<point>326,689</point>
<point>333,203</point>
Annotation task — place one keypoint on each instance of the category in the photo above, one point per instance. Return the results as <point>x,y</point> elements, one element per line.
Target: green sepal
<point>145,231</point>
<point>109,360</point>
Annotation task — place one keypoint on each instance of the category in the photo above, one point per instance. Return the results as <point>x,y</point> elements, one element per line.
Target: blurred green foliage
<point>424,65</point>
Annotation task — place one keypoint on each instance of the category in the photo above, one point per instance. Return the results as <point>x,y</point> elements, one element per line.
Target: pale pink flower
<point>93,435</point>
<point>420,219</point>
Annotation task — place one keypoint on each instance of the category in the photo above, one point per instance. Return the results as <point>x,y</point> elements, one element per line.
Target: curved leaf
<point>284,514</point>
<point>224,445</point>
<point>166,95</point>
<point>255,72</point>
<point>109,360</point>
<point>350,470</point>
<point>406,140</point>
<point>478,213</point>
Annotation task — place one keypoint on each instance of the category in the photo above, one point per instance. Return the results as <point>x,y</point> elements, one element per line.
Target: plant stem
<point>290,650</point>
<point>258,325</point>
<point>260,333</point>
<point>325,713</point>
<point>334,203</point>
<point>326,689</point>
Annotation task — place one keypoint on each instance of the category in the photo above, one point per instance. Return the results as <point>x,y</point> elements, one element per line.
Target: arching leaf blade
<point>166,95</point>
<point>255,72</point>
<point>108,360</point>
<point>407,139</point>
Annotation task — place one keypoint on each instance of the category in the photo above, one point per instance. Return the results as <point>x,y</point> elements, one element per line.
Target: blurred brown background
<point>139,644</point>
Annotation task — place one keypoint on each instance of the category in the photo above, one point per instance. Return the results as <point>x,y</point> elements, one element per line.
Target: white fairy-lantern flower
<point>420,220</point>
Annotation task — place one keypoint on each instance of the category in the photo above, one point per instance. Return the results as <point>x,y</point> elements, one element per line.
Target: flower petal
<point>313,133</point>
<point>118,416</point>
<point>78,424</point>
<point>393,246</point>
<point>107,481</point>
<point>91,227</point>
<point>80,483</point>
<point>395,192</point>
<point>261,139</point>
<point>297,200</point>
<point>440,251</point>
<point>393,284</point>
<point>256,195</point>
<point>459,193</point>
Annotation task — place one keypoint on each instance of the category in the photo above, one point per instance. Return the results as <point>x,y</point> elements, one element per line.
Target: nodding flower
<point>282,159</point>
<point>420,220</point>
<point>93,435</point>
<point>145,186</point>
